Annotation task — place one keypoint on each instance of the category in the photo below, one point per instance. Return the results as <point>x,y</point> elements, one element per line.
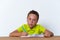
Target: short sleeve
<point>42,29</point>
<point>20,29</point>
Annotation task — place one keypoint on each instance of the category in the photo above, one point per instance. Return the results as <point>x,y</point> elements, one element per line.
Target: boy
<point>31,27</point>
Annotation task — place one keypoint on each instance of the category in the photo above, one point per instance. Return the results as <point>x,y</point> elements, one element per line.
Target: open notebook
<point>41,35</point>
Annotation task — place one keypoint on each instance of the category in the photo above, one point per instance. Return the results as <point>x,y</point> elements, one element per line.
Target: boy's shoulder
<point>24,24</point>
<point>38,24</point>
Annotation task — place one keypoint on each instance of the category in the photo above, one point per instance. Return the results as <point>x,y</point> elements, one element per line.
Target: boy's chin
<point>31,26</point>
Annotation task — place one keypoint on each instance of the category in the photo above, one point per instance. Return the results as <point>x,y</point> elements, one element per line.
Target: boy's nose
<point>31,21</point>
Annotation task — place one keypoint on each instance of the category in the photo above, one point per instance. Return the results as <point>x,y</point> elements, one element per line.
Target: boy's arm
<point>17,34</point>
<point>48,33</point>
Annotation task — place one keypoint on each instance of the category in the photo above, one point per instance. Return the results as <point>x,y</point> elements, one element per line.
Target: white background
<point>13,13</point>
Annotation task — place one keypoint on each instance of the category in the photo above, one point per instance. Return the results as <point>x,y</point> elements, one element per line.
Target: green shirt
<point>38,29</point>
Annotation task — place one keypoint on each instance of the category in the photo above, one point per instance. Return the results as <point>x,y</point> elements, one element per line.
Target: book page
<point>34,36</point>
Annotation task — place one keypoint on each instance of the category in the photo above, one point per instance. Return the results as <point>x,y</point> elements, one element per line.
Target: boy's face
<point>32,20</point>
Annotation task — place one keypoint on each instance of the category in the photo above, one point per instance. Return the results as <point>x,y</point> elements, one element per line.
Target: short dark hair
<point>34,12</point>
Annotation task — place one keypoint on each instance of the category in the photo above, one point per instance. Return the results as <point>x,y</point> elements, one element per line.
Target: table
<point>32,38</point>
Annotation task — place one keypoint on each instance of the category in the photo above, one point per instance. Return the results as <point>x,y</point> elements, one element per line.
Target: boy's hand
<point>24,34</point>
<point>48,33</point>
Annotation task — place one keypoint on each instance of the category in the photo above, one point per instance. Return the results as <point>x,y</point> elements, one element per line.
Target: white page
<point>41,35</point>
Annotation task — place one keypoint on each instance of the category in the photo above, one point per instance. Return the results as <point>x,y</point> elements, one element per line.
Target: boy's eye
<point>29,18</point>
<point>34,20</point>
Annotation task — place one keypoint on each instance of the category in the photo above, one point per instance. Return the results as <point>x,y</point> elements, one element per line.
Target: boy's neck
<point>32,27</point>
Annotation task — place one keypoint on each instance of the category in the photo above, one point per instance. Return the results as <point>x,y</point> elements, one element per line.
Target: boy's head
<point>32,18</point>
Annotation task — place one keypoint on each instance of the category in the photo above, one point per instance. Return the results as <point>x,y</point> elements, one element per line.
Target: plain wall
<point>13,13</point>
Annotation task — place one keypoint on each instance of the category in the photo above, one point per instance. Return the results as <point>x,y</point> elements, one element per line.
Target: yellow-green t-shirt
<point>38,29</point>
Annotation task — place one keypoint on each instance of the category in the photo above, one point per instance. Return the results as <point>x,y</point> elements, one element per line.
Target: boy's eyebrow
<point>23,29</point>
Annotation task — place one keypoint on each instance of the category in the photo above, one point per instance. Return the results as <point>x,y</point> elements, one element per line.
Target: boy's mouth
<point>31,25</point>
